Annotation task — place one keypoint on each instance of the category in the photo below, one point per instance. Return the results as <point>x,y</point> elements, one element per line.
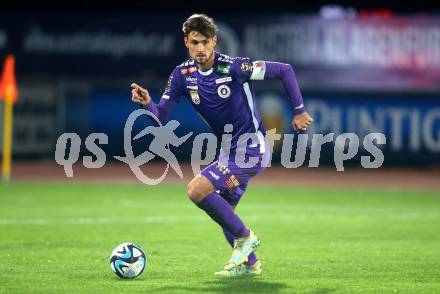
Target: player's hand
<point>302,121</point>
<point>139,94</point>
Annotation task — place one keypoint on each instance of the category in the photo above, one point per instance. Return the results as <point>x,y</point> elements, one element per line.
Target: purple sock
<point>221,212</point>
<point>230,238</point>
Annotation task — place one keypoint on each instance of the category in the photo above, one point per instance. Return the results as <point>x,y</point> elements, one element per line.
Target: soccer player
<point>220,88</point>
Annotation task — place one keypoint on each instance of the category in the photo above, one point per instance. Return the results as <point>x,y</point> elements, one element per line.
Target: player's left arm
<point>244,69</point>
<point>266,70</point>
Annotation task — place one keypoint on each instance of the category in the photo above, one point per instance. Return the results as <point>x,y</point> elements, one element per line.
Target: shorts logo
<point>224,91</point>
<point>223,169</point>
<point>194,96</point>
<point>214,175</point>
<point>232,182</point>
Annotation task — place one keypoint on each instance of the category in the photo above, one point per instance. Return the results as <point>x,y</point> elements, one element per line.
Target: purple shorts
<point>231,180</point>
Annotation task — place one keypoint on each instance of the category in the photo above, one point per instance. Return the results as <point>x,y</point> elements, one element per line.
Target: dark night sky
<point>190,6</point>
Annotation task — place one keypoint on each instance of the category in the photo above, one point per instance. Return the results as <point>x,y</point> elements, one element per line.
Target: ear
<point>214,40</point>
<point>185,40</point>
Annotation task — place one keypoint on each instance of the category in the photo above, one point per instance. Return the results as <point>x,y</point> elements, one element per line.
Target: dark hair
<point>200,23</point>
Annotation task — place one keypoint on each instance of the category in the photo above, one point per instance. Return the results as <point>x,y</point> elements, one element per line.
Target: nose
<point>200,47</point>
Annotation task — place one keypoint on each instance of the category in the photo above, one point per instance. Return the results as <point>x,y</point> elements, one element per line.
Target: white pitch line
<point>201,218</point>
<point>140,220</point>
<point>94,221</point>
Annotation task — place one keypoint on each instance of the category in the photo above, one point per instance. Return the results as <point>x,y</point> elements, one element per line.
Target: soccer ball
<point>128,260</point>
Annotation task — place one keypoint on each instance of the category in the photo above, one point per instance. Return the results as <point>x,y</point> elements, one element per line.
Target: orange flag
<point>8,85</point>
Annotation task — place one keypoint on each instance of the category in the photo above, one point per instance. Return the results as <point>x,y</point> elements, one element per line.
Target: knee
<point>197,189</point>
<point>193,191</point>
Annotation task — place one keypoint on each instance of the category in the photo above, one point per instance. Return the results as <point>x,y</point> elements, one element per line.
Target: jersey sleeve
<point>170,97</point>
<point>174,87</point>
<point>245,69</point>
<point>241,69</point>
<point>284,72</point>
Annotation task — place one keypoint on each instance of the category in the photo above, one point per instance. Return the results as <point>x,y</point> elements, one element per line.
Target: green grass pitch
<point>57,238</point>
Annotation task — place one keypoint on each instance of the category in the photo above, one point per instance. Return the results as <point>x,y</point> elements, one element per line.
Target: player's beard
<point>204,60</point>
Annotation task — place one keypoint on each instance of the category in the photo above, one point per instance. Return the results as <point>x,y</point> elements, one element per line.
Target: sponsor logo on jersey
<point>223,68</point>
<point>192,87</point>
<point>224,91</point>
<point>232,182</point>
<point>246,67</point>
<point>185,71</point>
<point>194,96</point>
<point>191,79</point>
<point>223,80</point>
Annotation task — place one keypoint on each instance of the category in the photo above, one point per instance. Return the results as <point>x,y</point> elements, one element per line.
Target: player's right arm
<point>170,97</point>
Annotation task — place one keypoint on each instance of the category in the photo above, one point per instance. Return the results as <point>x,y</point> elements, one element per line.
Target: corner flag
<point>9,93</point>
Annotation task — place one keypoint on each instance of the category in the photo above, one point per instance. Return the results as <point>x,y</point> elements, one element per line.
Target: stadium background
<point>361,69</point>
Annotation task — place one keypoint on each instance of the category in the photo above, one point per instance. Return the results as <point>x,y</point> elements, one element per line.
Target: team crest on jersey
<point>224,91</point>
<point>194,96</point>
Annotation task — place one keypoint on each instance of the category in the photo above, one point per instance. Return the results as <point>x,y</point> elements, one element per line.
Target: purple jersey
<point>225,95</point>
<point>222,95</point>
